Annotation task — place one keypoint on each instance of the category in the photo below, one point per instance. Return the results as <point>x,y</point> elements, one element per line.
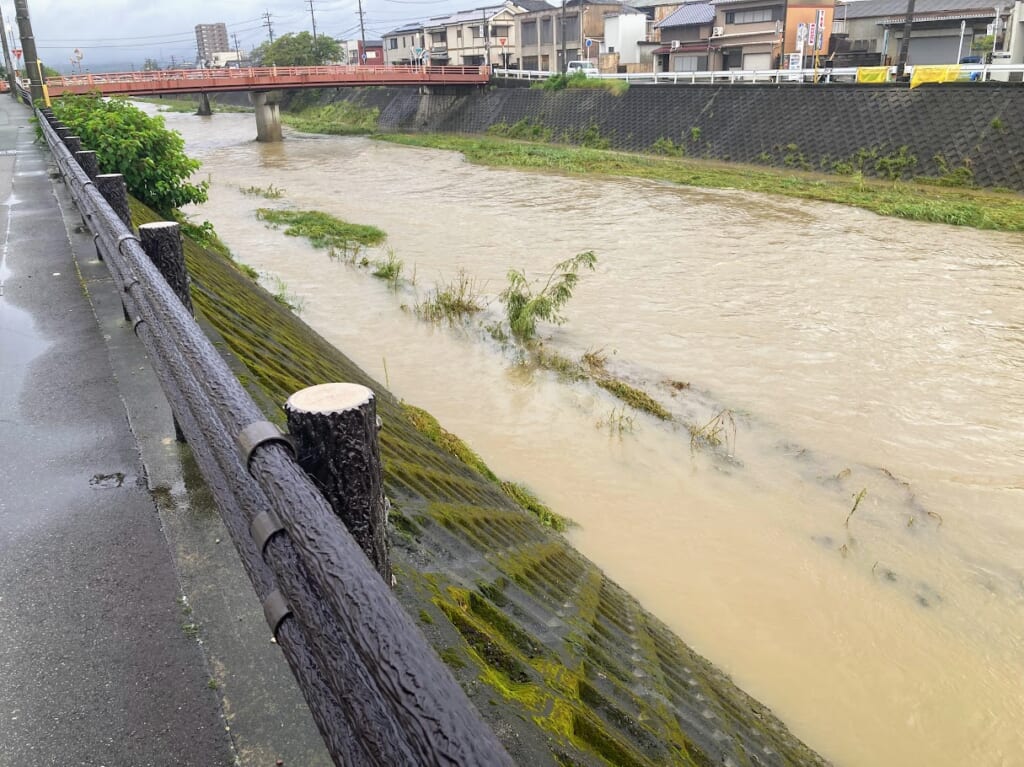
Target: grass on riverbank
<point>959,206</point>
<point>339,119</point>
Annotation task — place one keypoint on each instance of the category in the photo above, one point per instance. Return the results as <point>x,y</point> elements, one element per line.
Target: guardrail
<point>968,73</point>
<point>377,691</point>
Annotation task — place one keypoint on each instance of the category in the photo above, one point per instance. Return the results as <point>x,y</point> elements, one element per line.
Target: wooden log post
<point>63,133</point>
<point>87,160</point>
<point>335,431</point>
<point>114,191</point>
<point>162,242</point>
<point>73,143</point>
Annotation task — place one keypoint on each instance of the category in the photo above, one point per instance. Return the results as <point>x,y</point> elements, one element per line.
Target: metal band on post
<point>256,434</point>
<point>264,527</point>
<point>275,610</point>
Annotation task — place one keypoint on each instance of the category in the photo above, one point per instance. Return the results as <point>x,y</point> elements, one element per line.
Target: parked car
<point>589,68</point>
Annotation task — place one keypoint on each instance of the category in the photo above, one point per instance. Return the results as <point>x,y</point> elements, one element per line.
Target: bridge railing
<point>340,71</point>
<point>377,691</point>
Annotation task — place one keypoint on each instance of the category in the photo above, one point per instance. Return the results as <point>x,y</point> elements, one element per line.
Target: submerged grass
<point>917,201</point>
<point>322,229</point>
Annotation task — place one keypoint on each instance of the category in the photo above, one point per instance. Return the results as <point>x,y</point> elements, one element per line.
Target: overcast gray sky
<point>119,33</point>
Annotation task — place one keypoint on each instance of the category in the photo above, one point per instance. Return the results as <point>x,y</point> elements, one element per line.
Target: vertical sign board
<point>795,63</point>
<point>811,34</point>
<point>820,43</point>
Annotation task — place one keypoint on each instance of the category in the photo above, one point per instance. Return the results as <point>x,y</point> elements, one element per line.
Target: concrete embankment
<point>955,132</point>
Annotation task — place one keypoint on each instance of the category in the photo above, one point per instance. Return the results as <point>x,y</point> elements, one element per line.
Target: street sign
<point>501,41</point>
<point>821,29</point>
<point>801,35</point>
<point>811,30</point>
<point>589,42</point>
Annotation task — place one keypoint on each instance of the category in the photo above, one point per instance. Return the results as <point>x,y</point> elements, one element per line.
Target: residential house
<point>942,31</point>
<point>546,33</point>
<point>686,39</point>
<point>622,47</point>
<point>747,34</point>
<point>404,45</point>
<point>370,53</point>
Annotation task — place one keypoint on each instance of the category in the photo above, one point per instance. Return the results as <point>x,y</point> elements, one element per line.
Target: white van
<point>589,68</point>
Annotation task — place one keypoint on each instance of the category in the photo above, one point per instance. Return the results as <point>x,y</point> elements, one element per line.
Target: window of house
<point>478,31</point>
<point>530,62</point>
<point>754,15</point>
<point>529,35</point>
<point>500,30</point>
<point>545,62</point>
<point>545,32</point>
<point>392,43</point>
<point>572,29</point>
<point>458,33</point>
<point>689,63</point>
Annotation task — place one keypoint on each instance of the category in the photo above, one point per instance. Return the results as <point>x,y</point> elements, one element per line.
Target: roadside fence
<point>378,692</point>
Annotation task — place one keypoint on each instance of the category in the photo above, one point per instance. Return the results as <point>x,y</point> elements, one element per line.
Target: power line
<point>268,25</point>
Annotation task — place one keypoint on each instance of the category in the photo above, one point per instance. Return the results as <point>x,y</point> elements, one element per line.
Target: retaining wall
<point>979,126</point>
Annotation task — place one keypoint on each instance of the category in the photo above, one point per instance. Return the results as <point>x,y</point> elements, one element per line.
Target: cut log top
<point>156,226</point>
<point>329,398</point>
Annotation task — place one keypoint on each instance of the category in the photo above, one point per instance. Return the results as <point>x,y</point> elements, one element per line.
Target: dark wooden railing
<point>376,689</point>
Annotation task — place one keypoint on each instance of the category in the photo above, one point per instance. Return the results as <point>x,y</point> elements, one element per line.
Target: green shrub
<point>126,140</point>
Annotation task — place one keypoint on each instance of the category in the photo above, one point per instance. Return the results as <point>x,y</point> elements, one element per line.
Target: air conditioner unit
<point>717,31</point>
<point>675,44</point>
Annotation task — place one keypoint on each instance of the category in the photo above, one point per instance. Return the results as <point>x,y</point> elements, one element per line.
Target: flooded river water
<point>856,353</point>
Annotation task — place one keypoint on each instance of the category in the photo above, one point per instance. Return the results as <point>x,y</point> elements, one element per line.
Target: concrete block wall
<point>979,126</point>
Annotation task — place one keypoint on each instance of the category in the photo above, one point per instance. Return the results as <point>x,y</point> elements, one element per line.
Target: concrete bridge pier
<point>204,105</point>
<point>268,115</point>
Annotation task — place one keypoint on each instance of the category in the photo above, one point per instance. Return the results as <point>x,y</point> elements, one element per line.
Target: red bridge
<point>262,79</point>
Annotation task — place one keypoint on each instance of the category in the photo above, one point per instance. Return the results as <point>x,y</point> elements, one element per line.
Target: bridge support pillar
<point>204,105</point>
<point>268,115</point>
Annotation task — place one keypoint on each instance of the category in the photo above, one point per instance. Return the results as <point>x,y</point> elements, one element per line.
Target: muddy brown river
<point>858,355</point>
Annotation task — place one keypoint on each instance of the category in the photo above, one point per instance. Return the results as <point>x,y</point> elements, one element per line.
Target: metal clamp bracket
<point>275,610</point>
<point>259,433</point>
<point>264,527</point>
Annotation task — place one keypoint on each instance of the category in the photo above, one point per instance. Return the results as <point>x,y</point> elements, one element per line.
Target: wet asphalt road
<point>95,665</point>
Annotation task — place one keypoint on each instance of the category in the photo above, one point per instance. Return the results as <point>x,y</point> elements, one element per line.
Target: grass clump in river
<point>453,301</point>
<point>526,302</point>
<point>340,118</point>
<point>322,229</point>
<point>916,200</point>
<point>718,432</point>
<point>269,192</point>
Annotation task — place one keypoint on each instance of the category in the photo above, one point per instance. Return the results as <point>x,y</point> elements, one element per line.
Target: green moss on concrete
<point>551,642</point>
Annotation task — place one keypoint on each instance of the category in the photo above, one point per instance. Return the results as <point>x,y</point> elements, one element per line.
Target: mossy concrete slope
<point>567,667</point>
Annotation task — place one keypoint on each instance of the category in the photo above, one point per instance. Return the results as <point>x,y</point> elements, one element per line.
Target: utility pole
<point>238,56</point>
<point>362,32</point>
<point>565,64</point>
<point>901,63</point>
<point>312,15</point>
<point>7,58</point>
<point>33,67</point>
<point>487,38</point>
<point>268,25</point>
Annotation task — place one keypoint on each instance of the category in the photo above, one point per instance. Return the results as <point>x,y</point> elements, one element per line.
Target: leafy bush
<point>524,305</point>
<point>126,140</point>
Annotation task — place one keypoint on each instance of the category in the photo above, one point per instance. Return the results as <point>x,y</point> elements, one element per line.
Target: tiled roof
<point>689,15</point>
<point>868,8</point>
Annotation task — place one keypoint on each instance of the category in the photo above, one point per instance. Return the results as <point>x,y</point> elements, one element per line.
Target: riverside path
<point>101,661</point>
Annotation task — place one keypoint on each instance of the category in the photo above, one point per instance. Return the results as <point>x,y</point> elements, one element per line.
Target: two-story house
<point>747,34</point>
<point>686,39</point>
<point>485,35</point>
<point>547,34</point>
<point>404,45</point>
